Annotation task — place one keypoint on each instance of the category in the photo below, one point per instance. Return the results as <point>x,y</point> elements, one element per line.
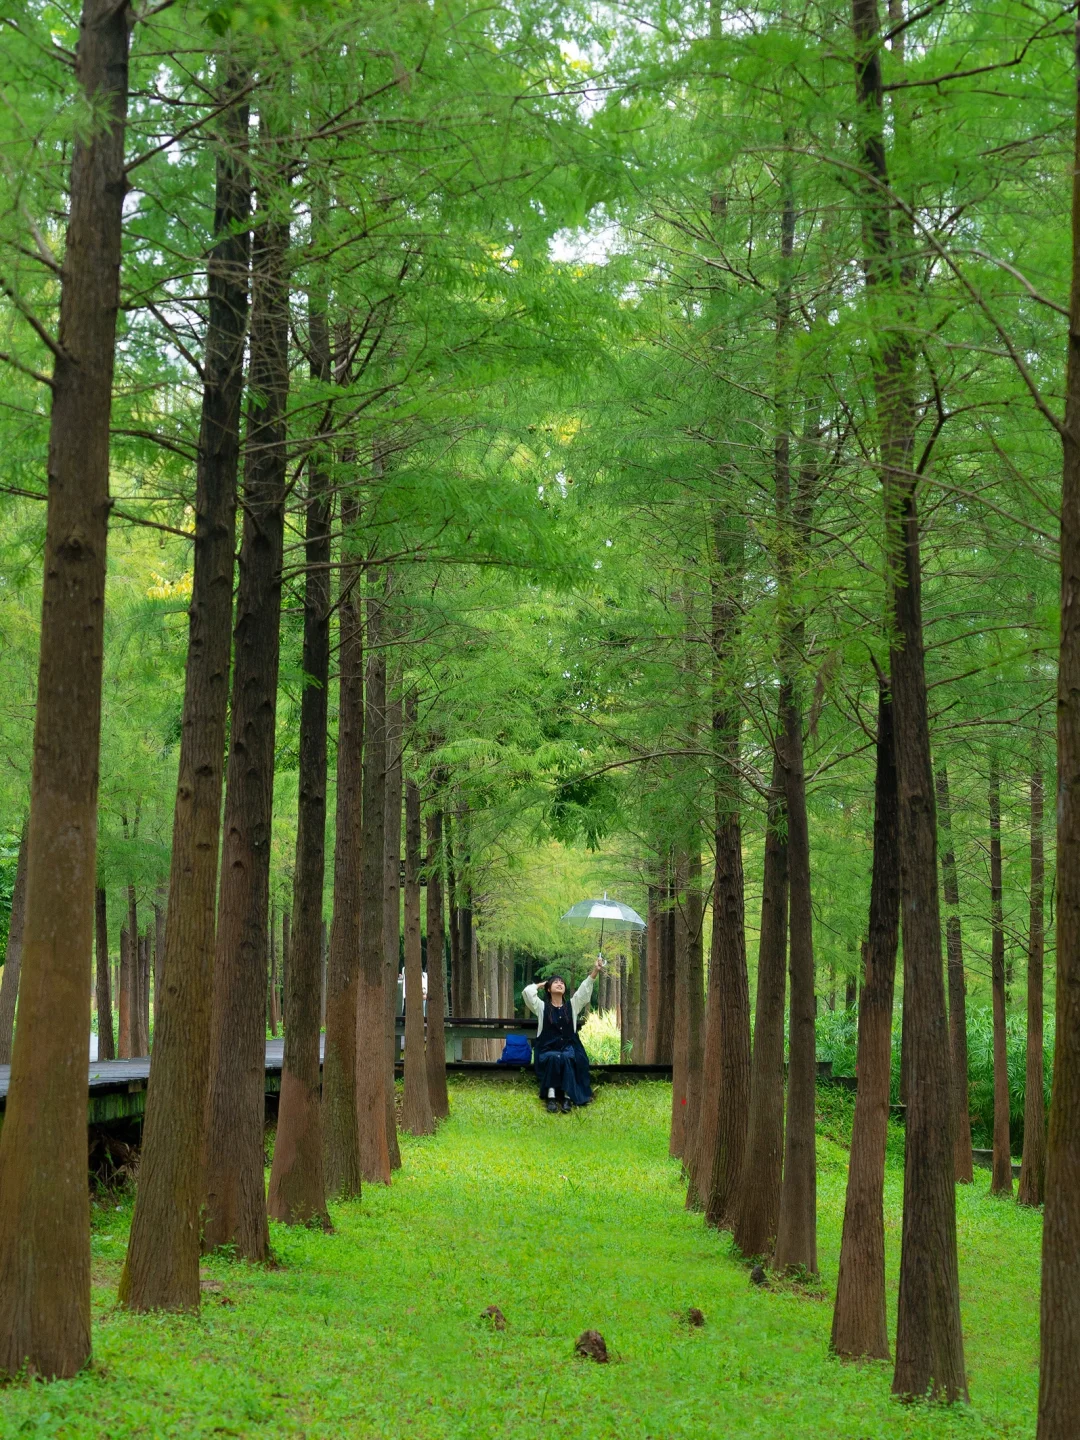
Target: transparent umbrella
<point>609,914</point>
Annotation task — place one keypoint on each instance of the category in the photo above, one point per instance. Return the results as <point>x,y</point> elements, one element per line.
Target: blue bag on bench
<point>516,1051</point>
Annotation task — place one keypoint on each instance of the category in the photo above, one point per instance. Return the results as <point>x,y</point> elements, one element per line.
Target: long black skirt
<point>566,1071</point>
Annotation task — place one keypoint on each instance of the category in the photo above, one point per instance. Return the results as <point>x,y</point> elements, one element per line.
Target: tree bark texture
<point>161,1270</point>
<point>297,1180</point>
<point>125,996</point>
<point>726,1062</point>
<point>416,1116</point>
<point>1032,1188</point>
<point>954,956</point>
<point>235,1190</point>
<point>44,1203</point>
<point>392,906</point>
<point>144,993</point>
<point>796,1232</point>
<point>371,1028</point>
<point>859,1325</point>
<point>1059,1374</point>
<point>681,1023</point>
<point>694,921</point>
<point>929,1339</point>
<point>436,973</point>
<point>1001,1173</point>
<point>665,1031</point>
<point>456,982</point>
<point>652,975</point>
<point>286,915</point>
<point>340,1112</point>
<point>757,1200</point>
<point>106,1039</point>
<point>9,985</point>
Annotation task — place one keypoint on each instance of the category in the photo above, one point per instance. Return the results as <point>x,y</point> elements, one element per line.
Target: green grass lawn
<point>565,1223</point>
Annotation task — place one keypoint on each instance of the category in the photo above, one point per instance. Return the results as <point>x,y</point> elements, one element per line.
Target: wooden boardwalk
<point>116,1089</point>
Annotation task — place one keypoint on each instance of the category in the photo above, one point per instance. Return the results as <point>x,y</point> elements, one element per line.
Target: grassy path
<point>565,1223</point>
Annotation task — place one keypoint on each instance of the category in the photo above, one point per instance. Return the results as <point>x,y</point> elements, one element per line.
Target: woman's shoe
<point>566,1107</point>
<point>553,1108</point>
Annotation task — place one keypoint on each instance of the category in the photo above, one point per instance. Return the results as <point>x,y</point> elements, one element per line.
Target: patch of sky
<point>591,244</point>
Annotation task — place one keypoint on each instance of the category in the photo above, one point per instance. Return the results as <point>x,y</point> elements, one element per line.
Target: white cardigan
<point>580,998</point>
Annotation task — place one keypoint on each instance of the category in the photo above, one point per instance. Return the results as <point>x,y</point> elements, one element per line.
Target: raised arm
<point>583,994</point>
<point>530,996</point>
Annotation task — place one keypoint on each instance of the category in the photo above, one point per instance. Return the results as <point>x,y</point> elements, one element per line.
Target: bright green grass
<point>566,1223</point>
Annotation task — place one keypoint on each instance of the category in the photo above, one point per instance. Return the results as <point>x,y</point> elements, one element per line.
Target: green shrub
<point>600,1037</point>
<point>837,1040</point>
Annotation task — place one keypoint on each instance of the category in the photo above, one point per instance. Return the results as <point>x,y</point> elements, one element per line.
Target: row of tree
<point>645,436</point>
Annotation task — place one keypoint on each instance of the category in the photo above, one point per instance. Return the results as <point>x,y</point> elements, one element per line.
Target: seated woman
<point>562,1067</point>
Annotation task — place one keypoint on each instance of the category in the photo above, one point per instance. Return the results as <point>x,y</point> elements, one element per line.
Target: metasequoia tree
<point>416,1116</point>
<point>436,975</point>
<point>954,952</point>
<point>297,1188</point>
<point>929,1342</point>
<point>1059,1338</point>
<point>756,1208</point>
<point>392,900</point>
<point>725,1081</point>
<point>1001,1174</point>
<point>1032,1187</point>
<point>859,1326</point>
<point>103,990</point>
<point>796,1231</point>
<point>235,1192</point>
<point>341,1134</point>
<point>44,1205</point>
<point>371,1057</point>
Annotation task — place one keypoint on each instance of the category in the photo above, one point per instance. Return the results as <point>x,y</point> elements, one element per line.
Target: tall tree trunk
<point>1059,1374</point>
<point>695,1012</point>
<point>724,1146</point>
<point>652,976</point>
<point>665,1038</point>
<point>9,985</point>
<point>134,967</point>
<point>371,1027</point>
<point>859,1325</point>
<point>144,993</point>
<point>929,1339</point>
<point>286,914</point>
<point>161,1270</point>
<point>392,906</point>
<point>436,974</point>
<point>954,954</point>
<point>124,988</point>
<point>726,1062</point>
<point>796,1232</point>
<point>631,1044</point>
<point>1001,1174</point>
<point>297,1177</point>
<point>44,1203</point>
<point>1033,1163</point>
<point>272,978</point>
<point>235,1189</point>
<point>340,1102</point>
<point>681,1023</point>
<point>416,1115</point>
<point>106,1046</point>
<point>757,1201</point>
<point>456,982</point>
